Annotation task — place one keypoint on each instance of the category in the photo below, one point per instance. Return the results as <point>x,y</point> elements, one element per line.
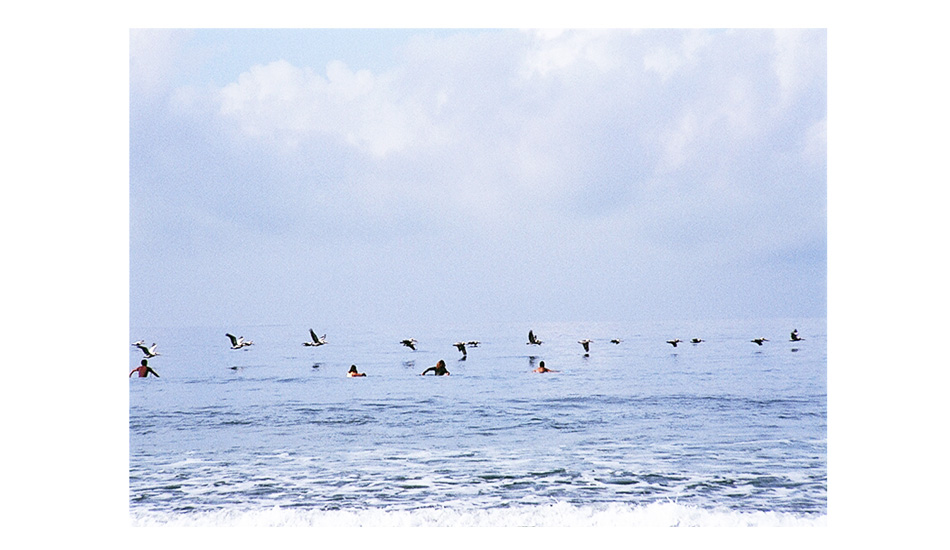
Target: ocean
<point>720,433</point>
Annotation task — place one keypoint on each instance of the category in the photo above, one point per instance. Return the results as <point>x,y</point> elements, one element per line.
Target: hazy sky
<point>475,175</point>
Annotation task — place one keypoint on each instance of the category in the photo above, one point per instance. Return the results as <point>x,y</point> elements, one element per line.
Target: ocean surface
<point>721,433</point>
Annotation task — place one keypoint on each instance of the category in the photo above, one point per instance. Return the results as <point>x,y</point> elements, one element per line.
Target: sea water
<point>724,432</point>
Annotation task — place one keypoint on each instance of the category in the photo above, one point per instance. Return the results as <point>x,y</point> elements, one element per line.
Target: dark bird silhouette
<point>697,340</point>
<point>759,340</point>
<point>796,337</point>
<point>473,343</point>
<point>616,341</point>
<point>585,343</point>
<point>238,342</point>
<point>317,340</point>
<point>149,352</point>
<point>674,342</point>
<point>532,339</point>
<point>461,347</point>
<point>409,343</point>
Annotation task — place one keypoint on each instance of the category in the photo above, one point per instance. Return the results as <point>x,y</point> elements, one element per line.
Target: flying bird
<point>532,339</point>
<point>409,343</point>
<point>585,343</point>
<point>674,342</point>
<point>461,347</point>
<point>697,340</point>
<point>149,352</point>
<point>616,341</point>
<point>238,342</point>
<point>473,343</point>
<point>759,340</point>
<point>317,340</point>
<point>796,337</point>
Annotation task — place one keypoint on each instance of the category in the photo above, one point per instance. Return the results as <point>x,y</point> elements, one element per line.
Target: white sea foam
<point>666,514</point>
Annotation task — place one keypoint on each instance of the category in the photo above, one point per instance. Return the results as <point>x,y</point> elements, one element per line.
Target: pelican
<point>796,337</point>
<point>317,340</point>
<point>697,340</point>
<point>585,343</point>
<point>532,339</point>
<point>616,341</point>
<point>149,352</point>
<point>409,343</point>
<point>674,342</point>
<point>461,347</point>
<point>238,342</point>
<point>759,340</point>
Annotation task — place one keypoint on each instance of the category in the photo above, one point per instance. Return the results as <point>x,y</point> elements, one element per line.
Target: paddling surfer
<point>439,369</point>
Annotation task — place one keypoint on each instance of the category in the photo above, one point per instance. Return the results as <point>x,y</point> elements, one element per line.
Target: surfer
<point>542,368</point>
<point>353,372</point>
<point>144,370</point>
<point>439,369</point>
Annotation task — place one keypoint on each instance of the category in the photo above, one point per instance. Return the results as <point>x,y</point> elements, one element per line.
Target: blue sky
<point>472,175</point>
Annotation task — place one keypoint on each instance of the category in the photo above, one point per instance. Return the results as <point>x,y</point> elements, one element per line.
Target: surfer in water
<point>353,372</point>
<point>542,368</point>
<point>439,369</point>
<point>144,370</point>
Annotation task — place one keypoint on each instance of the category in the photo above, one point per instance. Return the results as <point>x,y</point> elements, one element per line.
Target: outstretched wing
<point>314,336</point>
<point>233,339</point>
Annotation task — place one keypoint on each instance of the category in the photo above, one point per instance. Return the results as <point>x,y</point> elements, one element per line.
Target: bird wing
<point>314,336</point>
<point>234,341</point>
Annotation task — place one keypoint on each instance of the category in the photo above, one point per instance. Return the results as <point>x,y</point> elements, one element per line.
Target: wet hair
<point>144,362</point>
<point>352,368</point>
<point>441,363</point>
<point>542,364</point>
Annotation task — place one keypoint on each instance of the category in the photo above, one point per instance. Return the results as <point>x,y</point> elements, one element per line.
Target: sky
<point>326,176</point>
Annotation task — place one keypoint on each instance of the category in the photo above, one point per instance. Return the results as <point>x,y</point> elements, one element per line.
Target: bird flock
<point>238,342</point>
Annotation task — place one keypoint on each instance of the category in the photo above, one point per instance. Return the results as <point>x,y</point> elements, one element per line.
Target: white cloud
<point>556,51</point>
<point>292,104</point>
<point>667,60</point>
<point>798,53</point>
<point>154,57</point>
<point>603,148</point>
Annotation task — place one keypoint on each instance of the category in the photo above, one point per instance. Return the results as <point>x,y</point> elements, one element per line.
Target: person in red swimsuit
<point>144,370</point>
<point>353,372</point>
